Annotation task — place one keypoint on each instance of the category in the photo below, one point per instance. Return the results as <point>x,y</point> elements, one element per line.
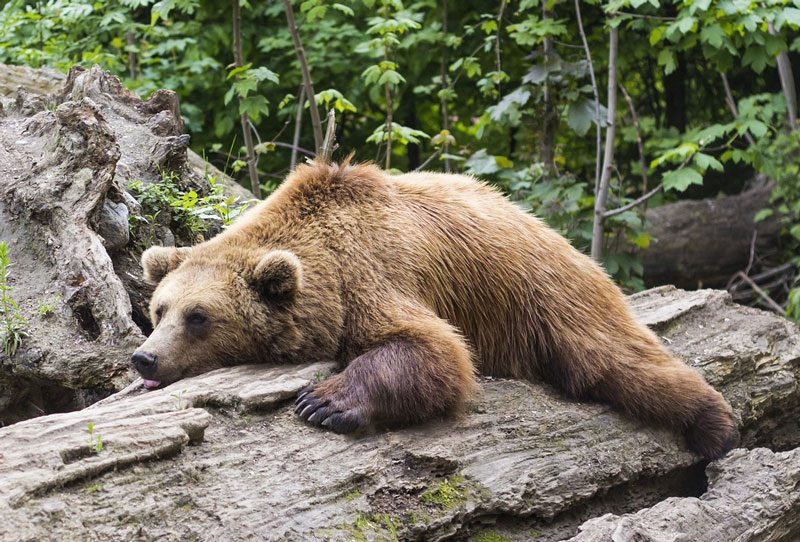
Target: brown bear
<point>412,283</point>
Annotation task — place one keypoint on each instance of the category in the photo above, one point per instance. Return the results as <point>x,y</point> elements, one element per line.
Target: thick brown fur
<point>412,283</point>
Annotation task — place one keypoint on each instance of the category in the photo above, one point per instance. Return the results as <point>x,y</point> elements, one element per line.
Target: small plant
<point>91,488</point>
<point>180,404</point>
<point>11,321</point>
<point>95,442</point>
<point>46,308</point>
<point>188,214</point>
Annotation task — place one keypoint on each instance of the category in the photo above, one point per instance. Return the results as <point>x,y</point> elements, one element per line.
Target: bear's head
<point>215,308</point>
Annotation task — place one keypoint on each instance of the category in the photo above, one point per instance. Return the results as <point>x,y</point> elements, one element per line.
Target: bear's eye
<point>159,314</point>
<point>196,319</point>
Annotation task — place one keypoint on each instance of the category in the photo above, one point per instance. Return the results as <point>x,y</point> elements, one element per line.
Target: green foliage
<point>187,213</point>
<point>180,403</point>
<point>46,308</point>
<point>507,100</point>
<point>94,441</point>
<point>779,159</point>
<point>11,322</point>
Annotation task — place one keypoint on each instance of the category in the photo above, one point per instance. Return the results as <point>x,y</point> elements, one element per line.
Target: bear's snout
<point>145,363</point>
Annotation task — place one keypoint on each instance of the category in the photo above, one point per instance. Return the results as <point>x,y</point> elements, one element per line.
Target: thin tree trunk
<point>549,120</point>
<point>131,38</point>
<point>388,99</point>
<point>443,73</point>
<point>301,57</point>
<point>787,83</point>
<point>596,96</point>
<point>245,119</point>
<point>602,193</point>
<point>497,45</point>
<point>298,123</point>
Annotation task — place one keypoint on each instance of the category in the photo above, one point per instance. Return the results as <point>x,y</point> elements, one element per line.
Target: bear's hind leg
<point>670,393</point>
<point>420,368</point>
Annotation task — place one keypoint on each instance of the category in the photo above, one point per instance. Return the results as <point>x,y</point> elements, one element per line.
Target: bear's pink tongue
<point>151,383</point>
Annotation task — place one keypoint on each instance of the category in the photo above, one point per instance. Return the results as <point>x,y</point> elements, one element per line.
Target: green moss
<point>448,494</point>
<point>91,488</point>
<point>352,494</point>
<point>488,535</point>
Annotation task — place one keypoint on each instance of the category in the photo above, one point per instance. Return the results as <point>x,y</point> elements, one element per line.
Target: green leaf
<point>668,59</point>
<point>481,163</point>
<point>762,215</point>
<point>655,35</point>
<point>705,161</point>
<point>344,9</point>
<point>681,179</point>
<point>254,106</point>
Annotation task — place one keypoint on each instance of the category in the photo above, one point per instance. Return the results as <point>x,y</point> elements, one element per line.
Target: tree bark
<point>705,242</point>
<point>223,456</point>
<point>602,193</point>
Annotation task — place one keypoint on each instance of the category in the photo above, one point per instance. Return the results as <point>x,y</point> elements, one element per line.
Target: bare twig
<point>245,118</point>
<point>497,44</point>
<point>596,95</point>
<point>329,144</point>
<point>752,252</point>
<point>602,193</point>
<point>298,123</point>
<point>307,152</point>
<point>771,302</point>
<point>642,161</point>
<point>634,203</point>
<point>732,104</point>
<point>426,162</point>
<point>301,57</point>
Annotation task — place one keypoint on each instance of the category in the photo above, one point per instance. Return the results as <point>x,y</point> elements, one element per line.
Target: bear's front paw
<point>323,405</point>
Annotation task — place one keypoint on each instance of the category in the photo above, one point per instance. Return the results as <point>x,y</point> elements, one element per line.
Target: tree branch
<point>298,122</point>
<point>329,144</point>
<point>301,57</point>
<point>634,203</point>
<point>596,95</point>
<point>602,193</point>
<point>255,188</point>
<point>732,104</point>
<point>642,161</point>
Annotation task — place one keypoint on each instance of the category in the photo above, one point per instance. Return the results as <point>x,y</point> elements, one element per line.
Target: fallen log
<point>222,456</point>
<point>703,243</point>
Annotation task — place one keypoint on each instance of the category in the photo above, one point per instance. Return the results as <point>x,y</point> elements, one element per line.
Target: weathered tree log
<point>69,145</point>
<point>752,495</point>
<point>704,243</point>
<point>222,456</point>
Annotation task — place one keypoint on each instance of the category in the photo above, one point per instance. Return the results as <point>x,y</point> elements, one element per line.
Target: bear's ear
<point>278,276</point>
<point>158,261</point>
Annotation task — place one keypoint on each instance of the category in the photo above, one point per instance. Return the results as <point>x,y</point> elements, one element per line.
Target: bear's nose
<point>145,363</point>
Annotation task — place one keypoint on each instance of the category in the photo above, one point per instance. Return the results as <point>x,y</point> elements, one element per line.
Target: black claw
<point>302,393</point>
<point>342,422</point>
<point>309,409</point>
<point>303,404</point>
<point>319,415</point>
